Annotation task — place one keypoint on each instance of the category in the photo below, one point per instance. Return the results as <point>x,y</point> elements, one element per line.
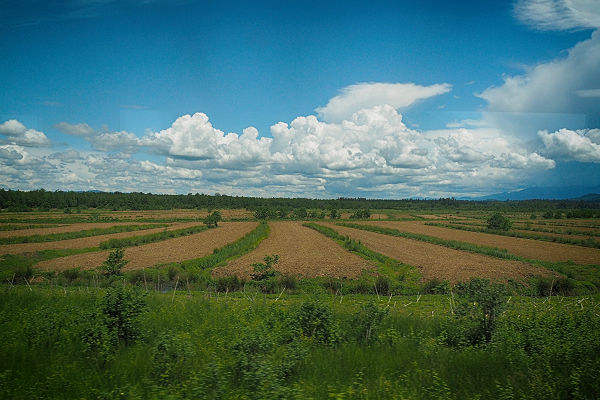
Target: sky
<point>319,99</point>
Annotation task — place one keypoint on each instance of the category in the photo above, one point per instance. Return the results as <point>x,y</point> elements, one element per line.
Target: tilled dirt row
<point>172,250</point>
<point>440,262</point>
<point>302,251</point>
<point>64,229</point>
<point>528,248</point>
<point>82,243</point>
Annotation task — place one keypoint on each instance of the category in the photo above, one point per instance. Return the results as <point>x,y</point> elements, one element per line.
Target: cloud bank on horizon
<point>356,145</point>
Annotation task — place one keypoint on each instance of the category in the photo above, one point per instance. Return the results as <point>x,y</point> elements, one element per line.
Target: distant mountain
<point>586,193</point>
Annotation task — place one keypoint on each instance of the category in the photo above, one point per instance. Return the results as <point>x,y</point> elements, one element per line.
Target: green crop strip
<point>453,244</point>
<point>151,238</point>
<point>387,265</point>
<point>54,237</point>
<point>22,227</point>
<point>590,242</point>
<point>588,276</point>
<point>243,245</point>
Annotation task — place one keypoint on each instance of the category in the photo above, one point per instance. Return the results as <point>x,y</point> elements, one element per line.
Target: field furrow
<point>440,262</point>
<point>528,248</point>
<point>172,250</point>
<point>82,243</point>
<point>64,229</point>
<point>303,252</point>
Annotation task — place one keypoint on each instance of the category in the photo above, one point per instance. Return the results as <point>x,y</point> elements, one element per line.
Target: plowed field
<point>172,250</point>
<point>63,229</point>
<point>82,243</point>
<point>441,262</point>
<point>302,251</point>
<point>528,248</point>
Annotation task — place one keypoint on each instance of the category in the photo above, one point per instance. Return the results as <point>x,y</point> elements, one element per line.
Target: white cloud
<point>582,145</point>
<point>559,14</point>
<point>193,137</point>
<point>122,141</point>
<point>561,86</point>
<point>17,133</point>
<point>366,95</point>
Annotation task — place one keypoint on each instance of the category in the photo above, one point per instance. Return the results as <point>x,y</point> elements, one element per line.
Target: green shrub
<point>316,321</point>
<point>229,283</point>
<point>382,285</point>
<point>265,271</point>
<point>435,286</point>
<point>114,263</point>
<point>171,358</point>
<point>499,222</point>
<point>367,321</point>
<point>563,286</point>
<point>289,282</point>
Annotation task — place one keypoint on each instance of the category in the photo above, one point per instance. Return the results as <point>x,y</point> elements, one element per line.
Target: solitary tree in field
<point>499,222</point>
<point>213,219</point>
<point>114,263</point>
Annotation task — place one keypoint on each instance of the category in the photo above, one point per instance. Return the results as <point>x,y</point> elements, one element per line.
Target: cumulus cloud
<point>122,141</point>
<point>17,133</point>
<point>193,137</point>
<point>559,14</point>
<point>366,95</point>
<point>580,145</point>
<point>567,85</point>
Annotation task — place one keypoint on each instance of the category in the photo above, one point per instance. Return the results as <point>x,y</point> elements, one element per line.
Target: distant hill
<point>586,193</point>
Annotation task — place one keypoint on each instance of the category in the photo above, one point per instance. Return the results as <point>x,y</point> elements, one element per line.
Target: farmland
<point>381,306</point>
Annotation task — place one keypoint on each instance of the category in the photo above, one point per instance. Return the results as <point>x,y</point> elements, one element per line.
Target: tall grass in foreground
<point>193,345</point>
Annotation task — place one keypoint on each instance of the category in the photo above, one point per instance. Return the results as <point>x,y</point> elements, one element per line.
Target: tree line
<point>16,200</point>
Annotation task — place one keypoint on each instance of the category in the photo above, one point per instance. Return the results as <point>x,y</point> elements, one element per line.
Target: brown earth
<point>172,250</point>
<point>63,229</point>
<point>82,243</point>
<point>527,248</point>
<point>438,262</point>
<point>302,251</point>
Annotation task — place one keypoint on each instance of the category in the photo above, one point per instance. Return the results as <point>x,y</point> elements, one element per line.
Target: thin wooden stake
<point>175,290</point>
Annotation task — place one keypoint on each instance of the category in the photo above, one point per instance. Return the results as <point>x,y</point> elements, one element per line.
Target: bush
<point>114,263</point>
<point>229,283</point>
<point>559,286</point>
<point>367,321</point>
<point>289,282</point>
<point>265,271</point>
<point>382,285</point>
<point>436,286</point>
<point>499,222</point>
<point>315,321</point>
<point>171,358</point>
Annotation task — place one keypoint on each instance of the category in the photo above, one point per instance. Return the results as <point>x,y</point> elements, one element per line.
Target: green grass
<point>590,242</point>
<point>28,226</point>
<point>151,238</point>
<point>53,237</point>
<point>194,345</point>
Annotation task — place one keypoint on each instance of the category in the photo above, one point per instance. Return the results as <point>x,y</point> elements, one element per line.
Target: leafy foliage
<point>265,271</point>
<point>499,222</point>
<point>213,219</point>
<point>114,262</point>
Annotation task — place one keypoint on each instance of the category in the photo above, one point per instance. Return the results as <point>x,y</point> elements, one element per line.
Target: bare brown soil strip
<point>63,229</point>
<point>172,250</point>
<point>528,248</point>
<point>438,262</point>
<point>303,252</point>
<point>82,243</point>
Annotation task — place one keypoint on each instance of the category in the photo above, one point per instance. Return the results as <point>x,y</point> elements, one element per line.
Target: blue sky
<point>300,98</point>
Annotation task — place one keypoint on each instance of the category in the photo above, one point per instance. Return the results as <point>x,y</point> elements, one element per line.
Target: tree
<point>264,271</point>
<point>114,263</point>
<point>213,219</point>
<point>499,222</point>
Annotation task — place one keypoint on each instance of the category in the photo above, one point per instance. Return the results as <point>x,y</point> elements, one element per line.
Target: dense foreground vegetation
<point>123,342</point>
